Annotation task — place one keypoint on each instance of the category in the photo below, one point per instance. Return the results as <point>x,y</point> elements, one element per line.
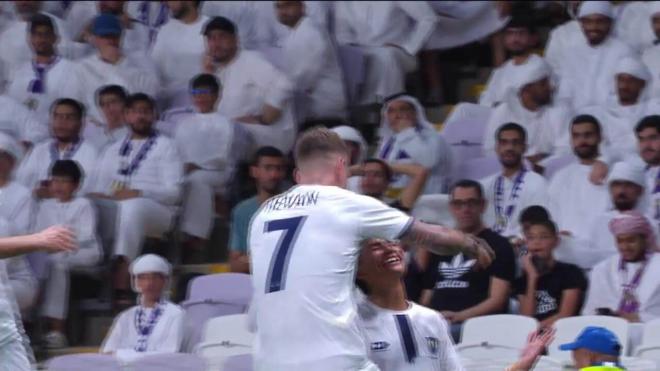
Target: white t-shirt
<point>304,246</point>
<point>413,339</point>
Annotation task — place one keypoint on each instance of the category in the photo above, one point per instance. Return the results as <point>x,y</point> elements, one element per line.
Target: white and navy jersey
<point>409,340</point>
<point>304,246</point>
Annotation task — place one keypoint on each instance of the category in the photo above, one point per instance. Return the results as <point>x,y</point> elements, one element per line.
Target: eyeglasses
<point>200,91</point>
<point>470,203</point>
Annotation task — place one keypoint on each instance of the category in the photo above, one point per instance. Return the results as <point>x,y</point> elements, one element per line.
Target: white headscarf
<point>423,124</point>
<point>150,263</point>
<point>596,7</point>
<point>535,69</point>
<point>350,134</point>
<point>633,66</point>
<point>624,171</point>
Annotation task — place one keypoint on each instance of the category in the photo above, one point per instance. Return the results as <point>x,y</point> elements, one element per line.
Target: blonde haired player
<point>304,245</point>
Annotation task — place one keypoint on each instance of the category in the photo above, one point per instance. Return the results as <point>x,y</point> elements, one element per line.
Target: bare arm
<point>497,297</point>
<point>239,262</point>
<point>53,239</point>
<point>528,300</point>
<point>418,175</point>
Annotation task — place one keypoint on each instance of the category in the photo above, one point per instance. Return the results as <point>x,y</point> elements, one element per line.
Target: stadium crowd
<point>129,121</point>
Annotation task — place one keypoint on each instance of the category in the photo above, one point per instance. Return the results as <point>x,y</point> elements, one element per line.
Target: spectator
<point>111,99</point>
<point>586,67</point>
<point>529,103</point>
<point>109,65</point>
<point>255,93</point>
<point>576,209</point>
<point>516,188</point>
<point>651,56</point>
<point>358,151</point>
<point>311,63</point>
<point>391,323</point>
<point>268,170</point>
<point>626,285</point>
<point>67,117</point>
<point>548,289</point>
<point>627,185</point>
<point>406,136</point>
<point>137,186</point>
<point>519,37</point>
<point>155,325</point>
<point>178,50</point>
<point>455,286</point>
<point>77,213</point>
<point>21,124</point>
<point>211,148</point>
<point>49,76</point>
<point>390,34</point>
<point>648,136</point>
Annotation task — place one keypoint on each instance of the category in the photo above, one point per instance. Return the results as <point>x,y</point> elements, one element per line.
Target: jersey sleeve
<point>377,220</point>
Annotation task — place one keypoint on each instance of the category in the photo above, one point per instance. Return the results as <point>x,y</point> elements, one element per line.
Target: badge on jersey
<point>433,344</point>
<point>379,346</point>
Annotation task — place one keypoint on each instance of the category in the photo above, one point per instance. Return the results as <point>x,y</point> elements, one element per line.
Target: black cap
<point>219,24</point>
<point>521,21</point>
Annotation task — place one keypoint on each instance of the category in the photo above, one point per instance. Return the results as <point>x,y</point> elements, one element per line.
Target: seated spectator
<point>255,93</point>
<point>626,284</point>
<point>48,76</point>
<point>211,148</point>
<point>21,124</point>
<point>648,137</point>
<point>548,289</point>
<point>407,137</point>
<point>268,170</point>
<point>530,104</point>
<point>67,116</point>
<point>651,56</point>
<point>393,325</point>
<point>111,99</point>
<point>455,286</point>
<point>515,188</point>
<point>109,65</point>
<point>358,151</point>
<point>137,187</point>
<point>627,192</point>
<point>155,325</point>
<point>178,49</point>
<point>518,40</point>
<point>311,63</point>
<point>390,34</point>
<point>77,213</point>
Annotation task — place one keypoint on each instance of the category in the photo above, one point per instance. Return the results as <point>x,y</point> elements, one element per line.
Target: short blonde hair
<point>318,142</point>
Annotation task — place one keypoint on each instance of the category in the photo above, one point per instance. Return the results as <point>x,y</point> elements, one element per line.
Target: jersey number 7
<point>279,263</point>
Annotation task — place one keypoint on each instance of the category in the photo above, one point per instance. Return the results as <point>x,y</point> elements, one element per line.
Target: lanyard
<point>145,330</point>
<point>128,168</point>
<point>38,85</point>
<point>504,215</point>
<point>629,302</point>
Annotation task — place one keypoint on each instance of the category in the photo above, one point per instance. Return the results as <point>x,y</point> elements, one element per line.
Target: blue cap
<point>106,25</point>
<point>596,339</point>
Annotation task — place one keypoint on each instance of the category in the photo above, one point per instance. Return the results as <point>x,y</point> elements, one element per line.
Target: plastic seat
<point>224,337</point>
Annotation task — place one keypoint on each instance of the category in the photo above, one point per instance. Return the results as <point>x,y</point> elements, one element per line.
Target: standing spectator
<point>456,286</point>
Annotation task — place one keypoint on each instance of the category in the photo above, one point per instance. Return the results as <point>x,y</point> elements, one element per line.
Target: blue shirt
<point>240,223</point>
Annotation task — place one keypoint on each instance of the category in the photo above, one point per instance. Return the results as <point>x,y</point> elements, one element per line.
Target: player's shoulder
<point>422,315</point>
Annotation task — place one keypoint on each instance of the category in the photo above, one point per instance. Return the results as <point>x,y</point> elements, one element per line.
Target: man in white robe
<point>651,55</point>
<point>514,189</point>
<point>358,150</point>
<point>211,148</point>
<point>67,117</point>
<point>244,14</point>
<point>574,209</point>
<point>77,213</point>
<point>586,67</point>
<point>110,66</point>
<point>626,285</point>
<point>155,325</point>
<point>627,189</point>
<point>272,33</point>
<point>529,103</point>
<point>390,34</point>
<point>48,76</point>
<point>111,100</point>
<point>178,51</point>
<point>21,124</point>
<point>648,136</point>
<point>255,93</point>
<point>518,41</point>
<point>311,63</point>
<point>137,187</point>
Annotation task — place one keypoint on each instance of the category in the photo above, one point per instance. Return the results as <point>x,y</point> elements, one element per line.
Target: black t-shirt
<point>458,285</point>
<point>550,287</point>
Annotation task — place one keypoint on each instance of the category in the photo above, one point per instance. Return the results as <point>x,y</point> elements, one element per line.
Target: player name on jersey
<point>289,200</point>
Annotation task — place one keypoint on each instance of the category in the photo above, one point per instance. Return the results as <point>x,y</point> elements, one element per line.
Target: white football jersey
<point>410,340</point>
<point>304,246</point>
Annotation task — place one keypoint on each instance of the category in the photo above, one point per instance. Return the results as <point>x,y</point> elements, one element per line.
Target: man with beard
<point>137,187</point>
<point>648,136</point>
<point>651,56</point>
<point>529,103</point>
<point>518,41</point>
<point>178,50</point>
<point>575,209</point>
<point>67,117</point>
<point>627,185</point>
<point>515,188</point>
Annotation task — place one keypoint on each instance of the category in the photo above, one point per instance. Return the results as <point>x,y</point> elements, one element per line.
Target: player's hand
<point>56,239</point>
<point>598,173</point>
<point>482,251</point>
<point>536,344</point>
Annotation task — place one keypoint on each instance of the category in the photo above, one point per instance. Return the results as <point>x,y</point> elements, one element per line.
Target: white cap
<point>596,7</point>
<point>533,70</point>
<point>11,146</point>
<point>352,135</point>
<point>654,8</point>
<point>151,263</point>
<point>633,66</point>
<point>624,171</point>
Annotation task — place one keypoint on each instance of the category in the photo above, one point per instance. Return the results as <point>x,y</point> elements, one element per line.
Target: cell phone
<point>604,312</point>
<point>540,264</point>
